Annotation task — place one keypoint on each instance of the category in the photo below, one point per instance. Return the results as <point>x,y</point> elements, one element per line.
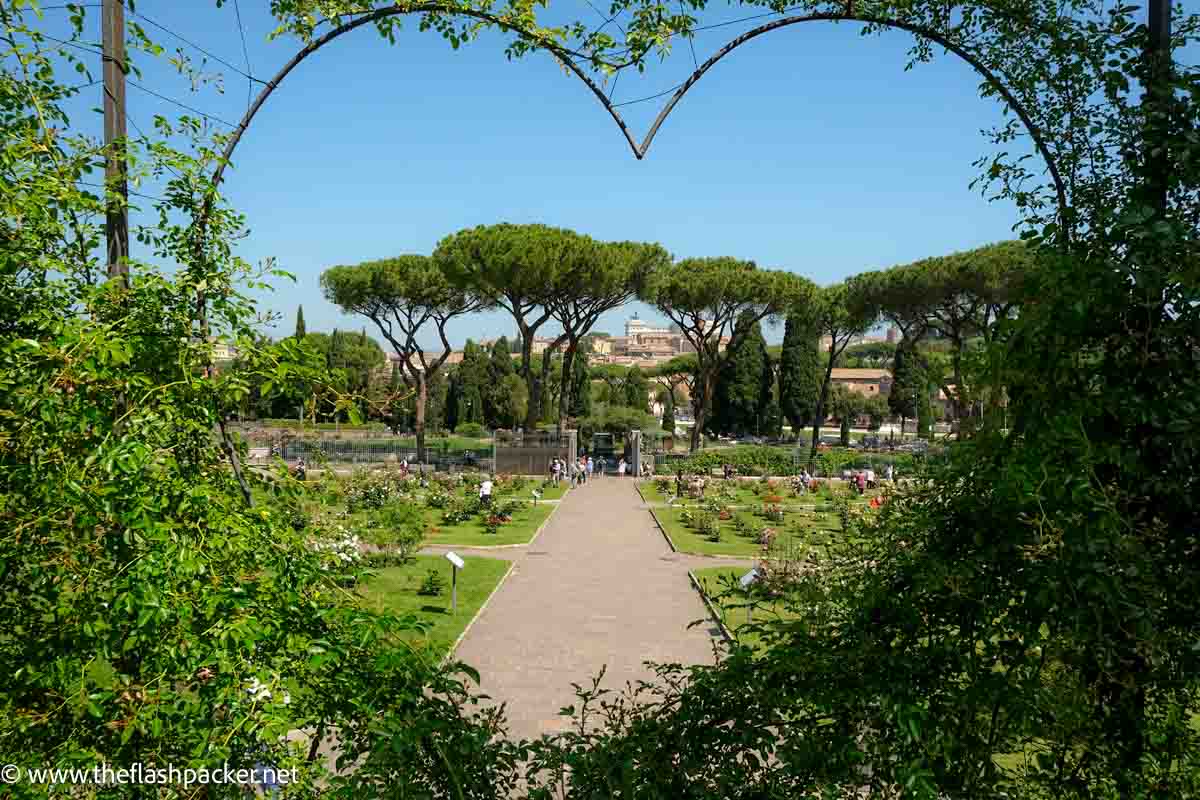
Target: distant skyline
<point>809,149</point>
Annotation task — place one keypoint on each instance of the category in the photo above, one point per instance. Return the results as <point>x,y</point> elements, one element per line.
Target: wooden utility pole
<point>116,226</point>
<point>1158,97</point>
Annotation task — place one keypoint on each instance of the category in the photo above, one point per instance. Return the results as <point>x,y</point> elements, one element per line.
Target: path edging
<point>512,565</point>
<point>662,529</point>
<point>711,610</point>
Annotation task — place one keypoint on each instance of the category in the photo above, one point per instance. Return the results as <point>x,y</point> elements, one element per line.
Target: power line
<point>141,132</point>
<point>128,191</point>
<point>87,48</point>
<point>245,52</point>
<point>182,105</point>
<point>189,43</point>
<point>691,42</point>
<point>650,97</point>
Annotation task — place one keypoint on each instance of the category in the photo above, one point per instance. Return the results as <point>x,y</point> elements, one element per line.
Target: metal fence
<point>531,453</point>
<point>320,450</point>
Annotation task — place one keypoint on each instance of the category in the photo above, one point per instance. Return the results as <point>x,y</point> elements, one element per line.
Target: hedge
<point>765,460</point>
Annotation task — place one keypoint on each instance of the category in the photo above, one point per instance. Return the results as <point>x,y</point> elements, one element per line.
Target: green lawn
<point>731,609</point>
<point>394,589</point>
<point>520,530</point>
<point>817,526</point>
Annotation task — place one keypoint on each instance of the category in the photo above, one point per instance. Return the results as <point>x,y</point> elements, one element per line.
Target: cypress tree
<point>909,381</point>
<point>453,400</point>
<point>301,331</point>
<point>581,389</point>
<point>799,371</point>
<point>738,401</point>
<point>637,391</point>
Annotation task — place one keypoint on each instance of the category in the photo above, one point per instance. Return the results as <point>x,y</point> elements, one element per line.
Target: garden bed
<point>797,527</point>
<point>395,590</point>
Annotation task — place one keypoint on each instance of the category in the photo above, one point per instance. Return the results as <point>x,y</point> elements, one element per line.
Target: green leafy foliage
<point>741,396</point>
<point>749,460</point>
<point>799,369</point>
<point>432,585</point>
<point>153,611</point>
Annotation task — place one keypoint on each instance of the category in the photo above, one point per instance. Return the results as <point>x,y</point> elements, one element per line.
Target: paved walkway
<point>599,587</point>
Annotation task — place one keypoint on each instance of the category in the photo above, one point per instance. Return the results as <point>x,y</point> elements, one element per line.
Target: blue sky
<point>808,149</point>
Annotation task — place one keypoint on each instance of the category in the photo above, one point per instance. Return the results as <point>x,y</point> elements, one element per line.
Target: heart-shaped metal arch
<point>566,58</point>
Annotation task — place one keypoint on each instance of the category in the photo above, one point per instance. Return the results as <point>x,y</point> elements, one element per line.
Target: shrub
<point>707,525</point>
<point>339,549</point>
<point>773,512</point>
<point>470,430</point>
<point>757,460</point>
<point>397,529</point>
<point>518,482</point>
<point>744,527</point>
<point>663,485</point>
<point>457,512</point>
<point>432,585</point>
<point>493,522</point>
<point>437,499</point>
<point>510,508</point>
<point>368,491</point>
<point>295,514</point>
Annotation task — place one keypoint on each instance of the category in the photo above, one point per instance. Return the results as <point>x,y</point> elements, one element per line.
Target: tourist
<point>890,474</point>
<point>861,479</point>
<point>727,470</point>
<point>679,483</point>
<point>600,462</point>
<point>870,478</point>
<point>485,492</point>
<point>555,470</point>
<point>591,467</point>
<point>621,468</point>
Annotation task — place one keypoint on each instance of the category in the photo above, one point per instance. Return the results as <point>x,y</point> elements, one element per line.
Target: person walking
<point>890,473</point>
<point>591,467</point>
<point>862,482</point>
<point>485,492</point>
<point>600,467</point>
<point>621,468</point>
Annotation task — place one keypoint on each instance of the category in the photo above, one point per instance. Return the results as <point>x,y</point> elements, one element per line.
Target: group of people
<point>581,470</point>
<point>862,480</point>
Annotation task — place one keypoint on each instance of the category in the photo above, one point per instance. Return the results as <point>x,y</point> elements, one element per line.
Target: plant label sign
<point>455,560</point>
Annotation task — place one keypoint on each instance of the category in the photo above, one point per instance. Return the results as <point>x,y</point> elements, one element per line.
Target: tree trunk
<point>543,384</point>
<point>419,424</point>
<point>534,409</point>
<point>819,416</point>
<point>699,408</point>
<point>567,386</point>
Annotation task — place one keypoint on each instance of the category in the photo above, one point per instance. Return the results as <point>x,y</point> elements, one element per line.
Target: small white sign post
<point>747,581</point>
<point>456,564</point>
